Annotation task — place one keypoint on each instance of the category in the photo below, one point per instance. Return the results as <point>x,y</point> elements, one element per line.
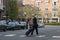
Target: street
<point>47,33</point>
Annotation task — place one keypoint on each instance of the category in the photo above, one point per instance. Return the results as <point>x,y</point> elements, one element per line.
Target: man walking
<point>35,26</point>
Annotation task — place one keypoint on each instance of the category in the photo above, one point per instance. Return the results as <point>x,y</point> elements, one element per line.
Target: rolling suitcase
<point>28,32</point>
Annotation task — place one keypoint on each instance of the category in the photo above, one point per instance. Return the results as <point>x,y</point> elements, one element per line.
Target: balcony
<point>54,16</point>
<point>55,9</point>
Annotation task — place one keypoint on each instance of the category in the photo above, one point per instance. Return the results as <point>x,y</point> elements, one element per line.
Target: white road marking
<point>55,36</point>
<point>10,35</point>
<point>22,36</point>
<point>41,36</point>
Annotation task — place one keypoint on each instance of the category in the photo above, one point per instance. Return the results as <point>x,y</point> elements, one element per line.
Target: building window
<point>46,8</point>
<point>55,9</point>
<point>54,3</point>
<point>47,1</point>
<point>54,14</point>
<point>39,4</point>
<point>46,14</point>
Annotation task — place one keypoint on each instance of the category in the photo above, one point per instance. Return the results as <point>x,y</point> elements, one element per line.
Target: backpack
<point>30,23</point>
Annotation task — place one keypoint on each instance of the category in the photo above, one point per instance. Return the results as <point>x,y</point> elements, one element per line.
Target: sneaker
<point>26,35</point>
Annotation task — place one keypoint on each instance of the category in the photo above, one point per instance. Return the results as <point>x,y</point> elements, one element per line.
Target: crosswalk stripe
<point>10,35</point>
<point>55,36</point>
<point>41,36</point>
<point>22,36</point>
<point>35,36</point>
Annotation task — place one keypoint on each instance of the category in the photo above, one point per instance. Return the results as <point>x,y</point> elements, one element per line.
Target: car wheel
<point>26,27</point>
<point>4,30</point>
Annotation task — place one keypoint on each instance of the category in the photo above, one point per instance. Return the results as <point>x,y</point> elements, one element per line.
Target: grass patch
<point>52,23</point>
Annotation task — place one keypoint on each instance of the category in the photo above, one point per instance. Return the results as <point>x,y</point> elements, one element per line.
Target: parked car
<point>3,25</point>
<point>17,25</point>
<point>40,24</point>
<point>11,25</point>
<point>23,24</point>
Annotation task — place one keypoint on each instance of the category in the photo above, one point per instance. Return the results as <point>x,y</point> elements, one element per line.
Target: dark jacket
<point>35,22</point>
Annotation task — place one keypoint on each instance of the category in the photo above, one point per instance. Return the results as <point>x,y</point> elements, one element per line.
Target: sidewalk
<point>52,25</point>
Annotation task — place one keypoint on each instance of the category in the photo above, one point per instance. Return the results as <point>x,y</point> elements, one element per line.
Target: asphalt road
<point>47,33</point>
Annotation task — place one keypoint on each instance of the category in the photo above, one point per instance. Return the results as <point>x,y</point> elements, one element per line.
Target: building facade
<point>2,8</point>
<point>48,9</point>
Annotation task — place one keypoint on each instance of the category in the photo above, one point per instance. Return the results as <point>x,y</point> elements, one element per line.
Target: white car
<point>17,25</point>
<point>11,25</point>
<point>23,24</point>
<point>40,25</point>
<point>3,25</point>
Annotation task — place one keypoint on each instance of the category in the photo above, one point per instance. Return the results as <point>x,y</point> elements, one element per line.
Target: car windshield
<point>22,22</point>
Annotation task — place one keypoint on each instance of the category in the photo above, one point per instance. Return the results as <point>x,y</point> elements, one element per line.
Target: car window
<point>22,22</point>
<point>16,22</point>
<point>2,22</point>
<point>11,24</point>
